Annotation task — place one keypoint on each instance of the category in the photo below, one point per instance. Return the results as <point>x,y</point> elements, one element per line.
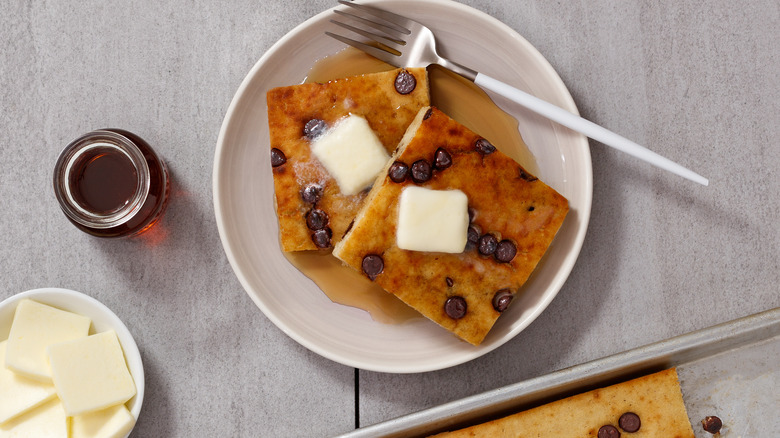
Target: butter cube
<point>90,373</point>
<point>18,394</point>
<point>432,220</point>
<point>114,422</point>
<point>352,153</point>
<point>35,327</point>
<point>48,420</point>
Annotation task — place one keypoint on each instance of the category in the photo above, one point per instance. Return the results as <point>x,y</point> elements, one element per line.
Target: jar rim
<point>78,148</point>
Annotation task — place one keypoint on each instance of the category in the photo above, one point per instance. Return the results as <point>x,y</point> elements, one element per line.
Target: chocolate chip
<point>629,422</point>
<point>608,431</point>
<point>455,307</point>
<point>711,424</point>
<point>277,157</point>
<point>398,171</point>
<point>487,244</point>
<point>484,147</point>
<point>322,237</point>
<point>473,234</point>
<point>421,171</point>
<point>316,219</point>
<point>502,299</point>
<point>525,175</point>
<point>442,159</point>
<point>505,251</point>
<point>405,82</point>
<point>449,281</point>
<point>531,208</point>
<point>314,128</point>
<point>373,265</point>
<point>312,193</point>
<point>428,114</point>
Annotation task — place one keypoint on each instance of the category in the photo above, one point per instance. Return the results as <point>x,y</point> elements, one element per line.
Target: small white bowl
<point>102,319</point>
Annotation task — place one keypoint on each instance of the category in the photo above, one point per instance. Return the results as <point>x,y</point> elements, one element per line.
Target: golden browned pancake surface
<point>507,202</point>
<point>655,399</point>
<point>372,96</point>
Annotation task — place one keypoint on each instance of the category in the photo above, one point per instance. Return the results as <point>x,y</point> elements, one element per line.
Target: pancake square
<point>513,218</point>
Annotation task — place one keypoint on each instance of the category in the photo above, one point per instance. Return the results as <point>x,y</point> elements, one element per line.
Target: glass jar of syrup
<point>110,183</point>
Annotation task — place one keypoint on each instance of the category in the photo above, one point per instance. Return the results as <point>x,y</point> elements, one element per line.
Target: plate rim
<point>567,264</point>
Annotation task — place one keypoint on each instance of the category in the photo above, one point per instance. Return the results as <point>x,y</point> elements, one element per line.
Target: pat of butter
<point>432,220</point>
<point>35,327</point>
<point>18,394</point>
<point>114,422</point>
<point>352,153</point>
<point>48,420</point>
<point>90,373</point>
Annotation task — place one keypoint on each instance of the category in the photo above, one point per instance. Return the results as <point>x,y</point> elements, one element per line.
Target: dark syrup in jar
<point>105,181</point>
<point>110,183</point>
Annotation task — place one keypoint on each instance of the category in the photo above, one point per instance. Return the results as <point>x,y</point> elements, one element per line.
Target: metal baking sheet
<point>731,370</point>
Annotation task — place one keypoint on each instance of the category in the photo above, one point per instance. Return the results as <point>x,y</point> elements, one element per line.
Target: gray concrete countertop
<point>698,83</point>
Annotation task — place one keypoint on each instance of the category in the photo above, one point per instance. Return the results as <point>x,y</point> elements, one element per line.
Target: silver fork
<point>403,42</point>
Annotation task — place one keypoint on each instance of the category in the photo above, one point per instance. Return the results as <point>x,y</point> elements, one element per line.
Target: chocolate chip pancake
<point>513,219</point>
<point>647,407</point>
<point>313,213</point>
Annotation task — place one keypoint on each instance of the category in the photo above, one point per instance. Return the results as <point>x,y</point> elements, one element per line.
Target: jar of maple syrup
<point>110,183</point>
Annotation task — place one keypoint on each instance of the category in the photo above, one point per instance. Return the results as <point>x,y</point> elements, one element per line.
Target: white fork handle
<point>585,127</point>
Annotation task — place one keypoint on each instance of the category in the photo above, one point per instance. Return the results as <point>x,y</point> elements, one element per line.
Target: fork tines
<point>389,20</point>
<point>378,37</point>
<point>382,31</point>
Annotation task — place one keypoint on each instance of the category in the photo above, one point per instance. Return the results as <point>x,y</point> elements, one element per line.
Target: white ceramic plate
<point>243,194</point>
<point>102,319</point>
